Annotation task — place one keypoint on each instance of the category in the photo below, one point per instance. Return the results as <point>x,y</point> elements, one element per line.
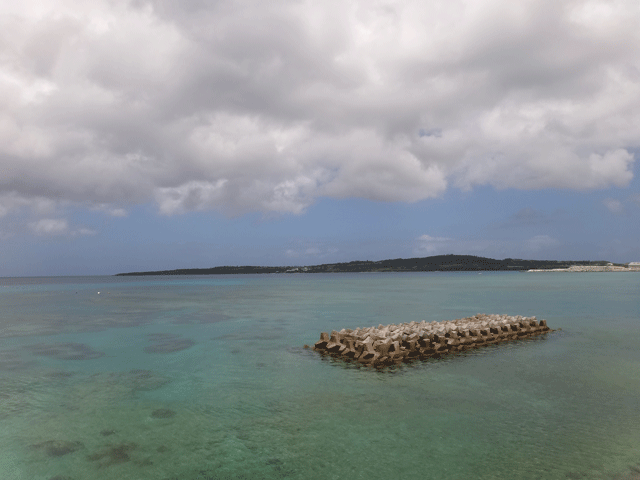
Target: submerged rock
<point>163,413</point>
<point>58,448</point>
<point>162,337</point>
<point>113,454</point>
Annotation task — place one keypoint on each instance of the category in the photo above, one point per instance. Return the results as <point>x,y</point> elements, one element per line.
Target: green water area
<point>207,378</point>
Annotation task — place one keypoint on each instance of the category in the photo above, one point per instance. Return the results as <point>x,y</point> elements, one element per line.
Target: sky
<point>150,135</point>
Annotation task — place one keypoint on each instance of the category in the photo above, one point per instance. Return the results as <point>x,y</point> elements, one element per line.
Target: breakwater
<point>393,344</point>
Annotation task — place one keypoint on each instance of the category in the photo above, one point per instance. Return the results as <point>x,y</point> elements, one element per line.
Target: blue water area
<point>207,378</point>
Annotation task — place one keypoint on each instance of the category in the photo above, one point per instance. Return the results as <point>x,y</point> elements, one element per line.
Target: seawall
<point>590,268</point>
<point>393,344</point>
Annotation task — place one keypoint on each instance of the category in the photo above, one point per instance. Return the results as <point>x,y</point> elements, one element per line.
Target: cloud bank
<point>57,227</point>
<point>241,105</point>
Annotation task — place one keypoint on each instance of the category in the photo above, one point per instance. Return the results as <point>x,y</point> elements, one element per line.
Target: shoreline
<point>589,268</point>
<point>436,263</point>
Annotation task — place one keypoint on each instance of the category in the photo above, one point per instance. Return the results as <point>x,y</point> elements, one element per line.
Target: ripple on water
<point>11,361</point>
<point>142,380</point>
<point>202,318</point>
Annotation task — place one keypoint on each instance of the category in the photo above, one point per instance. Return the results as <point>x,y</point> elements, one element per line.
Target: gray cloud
<point>244,106</point>
<point>12,201</point>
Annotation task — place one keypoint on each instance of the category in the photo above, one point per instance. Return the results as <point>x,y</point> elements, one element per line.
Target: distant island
<point>437,263</point>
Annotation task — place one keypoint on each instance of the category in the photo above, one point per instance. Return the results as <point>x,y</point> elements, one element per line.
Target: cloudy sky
<point>143,135</point>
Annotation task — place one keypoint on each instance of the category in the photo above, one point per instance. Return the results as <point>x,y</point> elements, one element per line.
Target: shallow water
<point>206,378</point>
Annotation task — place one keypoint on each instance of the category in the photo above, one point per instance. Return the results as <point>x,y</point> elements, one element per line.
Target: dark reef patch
<point>65,351</point>
<point>163,413</point>
<point>58,448</point>
<point>162,337</point>
<point>113,454</point>
<point>168,343</point>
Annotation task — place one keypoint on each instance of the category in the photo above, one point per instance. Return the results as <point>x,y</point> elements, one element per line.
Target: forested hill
<point>438,263</point>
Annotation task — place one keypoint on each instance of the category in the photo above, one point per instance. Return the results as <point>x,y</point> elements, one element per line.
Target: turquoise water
<point>206,378</point>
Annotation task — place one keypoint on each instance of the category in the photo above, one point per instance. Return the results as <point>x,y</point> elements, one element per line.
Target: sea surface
<point>206,377</point>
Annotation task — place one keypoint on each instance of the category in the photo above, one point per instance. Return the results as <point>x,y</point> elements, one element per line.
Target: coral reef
<point>65,351</point>
<point>58,448</point>
<point>163,413</point>
<point>113,454</point>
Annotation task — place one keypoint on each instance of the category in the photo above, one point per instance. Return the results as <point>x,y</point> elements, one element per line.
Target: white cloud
<point>57,227</point>
<point>614,206</point>
<point>292,253</point>
<point>269,105</point>
<point>49,226</point>
<point>541,243</point>
<point>111,210</point>
<point>428,245</point>
<point>313,253</point>
<point>118,212</point>
<point>429,238</point>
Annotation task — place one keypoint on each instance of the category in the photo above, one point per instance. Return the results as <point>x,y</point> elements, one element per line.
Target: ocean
<point>206,377</point>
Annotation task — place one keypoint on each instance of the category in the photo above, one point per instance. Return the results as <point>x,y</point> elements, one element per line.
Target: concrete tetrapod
<point>393,344</point>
